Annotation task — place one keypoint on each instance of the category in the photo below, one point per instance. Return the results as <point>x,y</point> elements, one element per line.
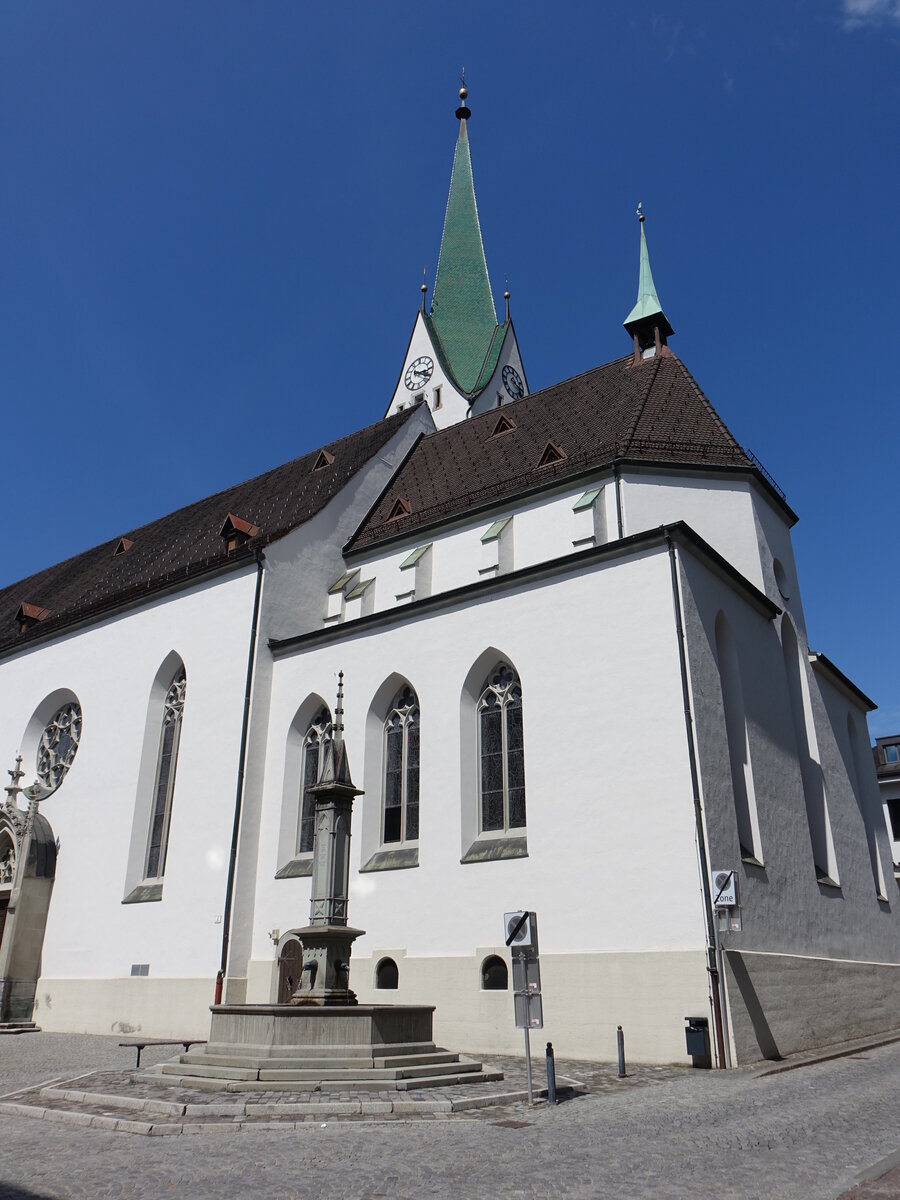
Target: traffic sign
<point>724,889</point>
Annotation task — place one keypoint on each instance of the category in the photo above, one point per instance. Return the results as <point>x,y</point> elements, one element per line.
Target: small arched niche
<point>494,974</point>
<point>387,976</point>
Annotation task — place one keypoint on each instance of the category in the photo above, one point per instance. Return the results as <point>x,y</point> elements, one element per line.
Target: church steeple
<point>647,322</point>
<point>459,359</point>
<point>462,305</point>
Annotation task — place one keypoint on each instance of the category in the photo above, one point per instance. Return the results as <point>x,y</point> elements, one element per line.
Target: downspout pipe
<point>708,910</point>
<point>239,793</point>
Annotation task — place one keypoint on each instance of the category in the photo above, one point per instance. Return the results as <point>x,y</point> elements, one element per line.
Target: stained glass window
<point>401,769</point>
<point>501,752</point>
<point>318,736</point>
<point>164,784</point>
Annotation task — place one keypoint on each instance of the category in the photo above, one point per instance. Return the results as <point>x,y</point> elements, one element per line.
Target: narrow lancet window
<point>164,785</point>
<point>401,769</point>
<point>318,736</point>
<point>501,752</point>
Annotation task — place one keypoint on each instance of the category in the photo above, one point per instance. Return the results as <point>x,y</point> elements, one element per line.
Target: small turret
<point>647,323</point>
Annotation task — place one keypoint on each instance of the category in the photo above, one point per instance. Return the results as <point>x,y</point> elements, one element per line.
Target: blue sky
<point>215,217</point>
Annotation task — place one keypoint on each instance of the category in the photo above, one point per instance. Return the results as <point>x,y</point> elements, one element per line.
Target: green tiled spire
<point>462,307</point>
<point>648,306</point>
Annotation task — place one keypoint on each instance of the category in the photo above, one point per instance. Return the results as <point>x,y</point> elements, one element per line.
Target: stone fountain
<point>323,1040</point>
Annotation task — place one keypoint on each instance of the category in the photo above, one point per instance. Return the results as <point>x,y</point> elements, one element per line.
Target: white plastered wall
<point>611,866</point>
<point>92,939</point>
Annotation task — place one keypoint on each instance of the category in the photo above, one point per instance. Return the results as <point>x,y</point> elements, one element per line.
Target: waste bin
<point>696,1035</point>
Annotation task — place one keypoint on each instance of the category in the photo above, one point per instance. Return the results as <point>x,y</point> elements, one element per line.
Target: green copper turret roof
<point>648,304</point>
<point>462,307</point>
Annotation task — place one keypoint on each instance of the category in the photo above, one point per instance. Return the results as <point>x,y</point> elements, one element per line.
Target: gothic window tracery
<point>400,818</point>
<point>59,744</point>
<point>164,783</point>
<point>318,736</point>
<point>501,753</point>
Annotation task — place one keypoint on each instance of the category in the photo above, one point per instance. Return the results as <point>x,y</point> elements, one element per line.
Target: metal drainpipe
<point>618,483</point>
<point>239,795</point>
<point>709,915</point>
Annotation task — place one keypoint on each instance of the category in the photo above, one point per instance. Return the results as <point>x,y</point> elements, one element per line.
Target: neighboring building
<point>577,681</point>
<point>886,752</point>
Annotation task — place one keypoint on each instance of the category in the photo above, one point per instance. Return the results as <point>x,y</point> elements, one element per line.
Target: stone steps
<point>441,1068</point>
<point>199,1083</point>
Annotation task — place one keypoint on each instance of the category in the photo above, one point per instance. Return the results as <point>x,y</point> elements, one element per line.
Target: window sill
<point>489,849</point>
<point>392,860</point>
<point>826,881</point>
<point>296,868</point>
<point>751,860</point>
<point>144,893</point>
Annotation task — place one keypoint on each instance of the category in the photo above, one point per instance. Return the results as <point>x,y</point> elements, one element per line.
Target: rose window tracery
<point>58,745</point>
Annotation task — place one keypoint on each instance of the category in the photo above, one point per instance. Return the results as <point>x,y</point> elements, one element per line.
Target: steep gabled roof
<point>188,543</point>
<point>653,412</point>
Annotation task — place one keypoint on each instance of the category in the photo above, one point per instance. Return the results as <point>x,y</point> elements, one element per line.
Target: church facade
<point>578,681</point>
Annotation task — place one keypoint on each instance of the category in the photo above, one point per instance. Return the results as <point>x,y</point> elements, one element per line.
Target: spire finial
<point>647,322</point>
<point>463,112</point>
<point>338,727</point>
<point>424,287</point>
<point>506,298</point>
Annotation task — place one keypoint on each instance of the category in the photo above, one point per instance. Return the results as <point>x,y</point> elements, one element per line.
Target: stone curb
<point>812,1060</point>
<point>877,1169</point>
<point>111,1100</point>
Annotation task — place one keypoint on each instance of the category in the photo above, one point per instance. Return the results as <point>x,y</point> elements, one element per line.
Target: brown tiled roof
<point>187,543</point>
<point>654,412</point>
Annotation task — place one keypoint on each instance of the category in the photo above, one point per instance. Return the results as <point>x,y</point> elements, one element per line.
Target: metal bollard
<point>551,1076</point>
<point>620,1045</point>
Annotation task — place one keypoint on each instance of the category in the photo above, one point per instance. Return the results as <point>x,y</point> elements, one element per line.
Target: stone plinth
<point>301,1031</point>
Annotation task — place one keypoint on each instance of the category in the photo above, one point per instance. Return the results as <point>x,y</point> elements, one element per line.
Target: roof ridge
<point>707,402</point>
<point>396,419</point>
<point>629,437</point>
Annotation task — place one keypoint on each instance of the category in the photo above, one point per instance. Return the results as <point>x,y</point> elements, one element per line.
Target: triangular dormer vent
<point>552,454</point>
<point>400,509</point>
<point>324,460</point>
<point>30,614</point>
<point>236,531</point>
<point>504,425</point>
<point>123,545</point>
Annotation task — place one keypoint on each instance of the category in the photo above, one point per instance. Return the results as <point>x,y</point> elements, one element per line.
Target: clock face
<point>512,381</point>
<point>418,373</point>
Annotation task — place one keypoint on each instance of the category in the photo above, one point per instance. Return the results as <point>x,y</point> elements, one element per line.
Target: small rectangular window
<point>436,403</point>
<point>894,810</point>
<point>140,968</point>
<point>892,754</point>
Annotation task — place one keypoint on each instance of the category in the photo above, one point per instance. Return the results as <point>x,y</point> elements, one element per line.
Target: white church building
<point>577,681</point>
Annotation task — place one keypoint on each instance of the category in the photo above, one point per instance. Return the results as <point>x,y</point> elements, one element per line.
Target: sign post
<point>725,902</point>
<point>520,935</point>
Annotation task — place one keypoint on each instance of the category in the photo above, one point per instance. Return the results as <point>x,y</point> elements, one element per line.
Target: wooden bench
<point>140,1043</point>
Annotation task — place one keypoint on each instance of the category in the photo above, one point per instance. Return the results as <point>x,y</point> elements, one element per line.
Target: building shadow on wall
<point>764,1037</point>
<point>12,1191</point>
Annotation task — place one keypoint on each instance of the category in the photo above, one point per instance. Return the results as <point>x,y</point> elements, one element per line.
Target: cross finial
<point>463,112</point>
<point>640,211</point>
<point>424,287</point>
<point>17,774</point>
<point>506,297</point>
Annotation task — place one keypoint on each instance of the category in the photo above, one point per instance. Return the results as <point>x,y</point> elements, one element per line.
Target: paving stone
<point>806,1134</point>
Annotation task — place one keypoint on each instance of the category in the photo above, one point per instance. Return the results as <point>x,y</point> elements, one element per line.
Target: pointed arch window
<point>400,815</point>
<point>164,784</point>
<point>501,752</point>
<point>318,737</point>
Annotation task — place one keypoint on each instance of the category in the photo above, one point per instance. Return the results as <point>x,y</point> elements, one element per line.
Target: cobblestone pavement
<point>807,1134</point>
